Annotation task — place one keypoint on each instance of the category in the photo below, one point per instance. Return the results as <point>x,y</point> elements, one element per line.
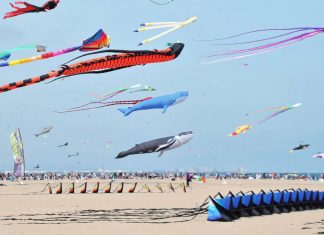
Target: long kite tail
<point>273,115</point>
<point>30,81</point>
<point>103,104</point>
<point>257,31</point>
<point>304,33</point>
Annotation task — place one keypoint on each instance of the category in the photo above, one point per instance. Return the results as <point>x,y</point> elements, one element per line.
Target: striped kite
<point>102,101</point>
<point>29,8</point>
<point>103,64</point>
<point>97,41</point>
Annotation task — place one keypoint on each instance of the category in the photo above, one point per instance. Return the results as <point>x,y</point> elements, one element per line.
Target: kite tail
<point>260,30</point>
<point>299,37</point>
<point>30,81</point>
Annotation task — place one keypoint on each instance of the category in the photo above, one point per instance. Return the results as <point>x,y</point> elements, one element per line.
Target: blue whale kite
<point>160,102</point>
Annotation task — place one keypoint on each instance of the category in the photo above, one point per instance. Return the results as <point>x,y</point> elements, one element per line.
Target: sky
<point>220,94</point>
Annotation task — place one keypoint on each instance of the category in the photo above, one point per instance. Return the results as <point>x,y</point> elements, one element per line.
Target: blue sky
<point>220,94</point>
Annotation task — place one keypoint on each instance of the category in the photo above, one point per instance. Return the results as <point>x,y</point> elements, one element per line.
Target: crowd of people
<point>188,176</point>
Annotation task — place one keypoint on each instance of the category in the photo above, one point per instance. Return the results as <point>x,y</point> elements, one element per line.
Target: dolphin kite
<point>45,130</point>
<point>158,145</point>
<point>160,102</point>
<point>318,155</point>
<point>300,147</point>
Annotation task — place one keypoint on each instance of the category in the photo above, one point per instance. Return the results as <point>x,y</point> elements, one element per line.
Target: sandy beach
<point>24,210</point>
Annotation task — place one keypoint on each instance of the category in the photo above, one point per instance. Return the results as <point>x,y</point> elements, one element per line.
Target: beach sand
<point>24,210</point>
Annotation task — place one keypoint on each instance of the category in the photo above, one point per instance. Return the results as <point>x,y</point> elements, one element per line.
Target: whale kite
<point>158,145</point>
<point>160,102</point>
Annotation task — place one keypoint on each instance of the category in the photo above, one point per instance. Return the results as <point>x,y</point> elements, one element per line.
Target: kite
<point>45,130</point>
<point>297,34</point>
<point>240,130</point>
<point>103,64</point>
<point>318,155</point>
<point>119,91</point>
<point>300,147</point>
<point>100,104</point>
<point>158,145</point>
<point>146,88</point>
<point>63,145</point>
<point>158,25</point>
<point>280,110</point>
<point>74,155</point>
<point>97,41</point>
<point>29,8</point>
<point>37,167</point>
<point>160,102</point>
<point>5,54</point>
<point>161,3</point>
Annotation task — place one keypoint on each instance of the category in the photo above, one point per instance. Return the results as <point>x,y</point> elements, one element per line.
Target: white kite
<point>158,25</point>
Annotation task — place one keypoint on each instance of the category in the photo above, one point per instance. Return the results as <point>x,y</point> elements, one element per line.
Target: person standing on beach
<point>188,179</point>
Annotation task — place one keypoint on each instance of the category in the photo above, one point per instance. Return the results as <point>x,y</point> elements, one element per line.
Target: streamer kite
<point>29,8</point>
<point>289,37</point>
<point>159,25</point>
<point>5,54</point>
<point>104,64</point>
<point>280,110</point>
<point>100,104</point>
<point>96,42</point>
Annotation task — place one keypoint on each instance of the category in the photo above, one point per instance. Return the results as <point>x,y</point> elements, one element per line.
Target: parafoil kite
<point>160,102</point>
<point>97,41</point>
<point>318,155</point>
<point>158,25</point>
<point>300,147</point>
<point>5,54</point>
<point>29,8</point>
<point>103,64</point>
<point>300,34</point>
<point>158,145</point>
<point>240,130</point>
